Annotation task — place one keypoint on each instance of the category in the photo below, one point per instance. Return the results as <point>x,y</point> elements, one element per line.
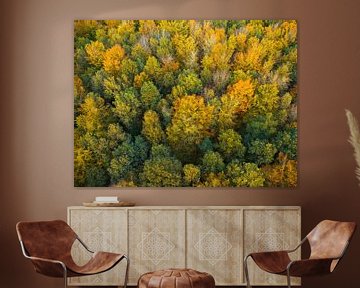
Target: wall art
<point>185,103</point>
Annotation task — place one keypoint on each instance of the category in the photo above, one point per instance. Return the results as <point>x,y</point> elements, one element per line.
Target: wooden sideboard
<point>211,239</point>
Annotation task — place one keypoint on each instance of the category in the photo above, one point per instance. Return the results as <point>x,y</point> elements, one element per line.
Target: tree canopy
<point>208,103</point>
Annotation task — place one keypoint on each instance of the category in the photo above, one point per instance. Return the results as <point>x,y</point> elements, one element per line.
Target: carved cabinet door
<point>156,240</point>
<point>271,230</point>
<point>214,244</point>
<point>101,230</point>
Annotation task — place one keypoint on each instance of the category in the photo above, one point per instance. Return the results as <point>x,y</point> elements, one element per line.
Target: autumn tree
<point>95,53</point>
<point>190,125</point>
<point>235,103</point>
<point>192,174</point>
<point>152,128</point>
<point>112,59</point>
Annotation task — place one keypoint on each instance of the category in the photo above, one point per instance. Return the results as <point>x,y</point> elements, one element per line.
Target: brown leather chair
<point>48,245</point>
<point>328,242</point>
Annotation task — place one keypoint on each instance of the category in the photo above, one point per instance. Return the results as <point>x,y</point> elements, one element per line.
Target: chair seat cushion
<point>176,278</point>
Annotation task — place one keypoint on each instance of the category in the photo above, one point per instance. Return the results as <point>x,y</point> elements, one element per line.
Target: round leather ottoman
<point>176,278</point>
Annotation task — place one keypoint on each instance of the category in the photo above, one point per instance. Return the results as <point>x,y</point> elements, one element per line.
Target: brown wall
<point>36,117</point>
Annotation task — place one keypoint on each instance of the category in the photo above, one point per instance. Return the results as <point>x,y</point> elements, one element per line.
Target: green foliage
<point>127,158</point>
<point>127,107</point>
<point>247,174</point>
<point>230,145</point>
<point>150,95</point>
<point>190,82</point>
<point>208,103</point>
<point>286,141</point>
<point>212,162</point>
<point>261,152</point>
<point>161,169</point>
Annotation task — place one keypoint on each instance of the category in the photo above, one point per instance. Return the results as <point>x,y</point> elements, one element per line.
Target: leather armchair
<point>328,242</point>
<point>48,245</point>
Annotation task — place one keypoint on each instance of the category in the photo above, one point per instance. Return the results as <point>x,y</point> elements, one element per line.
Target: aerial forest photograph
<point>185,103</point>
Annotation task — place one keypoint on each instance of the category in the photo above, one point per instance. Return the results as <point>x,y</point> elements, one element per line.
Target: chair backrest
<point>46,239</point>
<point>329,239</point>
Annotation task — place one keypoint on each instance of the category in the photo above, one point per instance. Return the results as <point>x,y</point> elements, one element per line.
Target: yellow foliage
<point>252,58</point>
<point>186,50</point>
<point>83,26</point>
<point>170,66</point>
<point>140,79</point>
<point>288,32</point>
<point>95,53</point>
<point>79,90</point>
<point>112,23</point>
<point>152,127</point>
<point>283,174</point>
<point>81,159</point>
<point>219,57</point>
<point>192,174</point>
<point>236,101</point>
<point>147,26</point>
<point>93,112</point>
<point>216,180</point>
<point>125,183</point>
<point>255,27</point>
<point>213,35</point>
<point>241,41</point>
<point>123,28</point>
<point>174,26</point>
<point>113,58</point>
<point>191,121</point>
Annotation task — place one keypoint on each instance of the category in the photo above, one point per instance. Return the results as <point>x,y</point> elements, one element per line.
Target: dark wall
<point>36,117</point>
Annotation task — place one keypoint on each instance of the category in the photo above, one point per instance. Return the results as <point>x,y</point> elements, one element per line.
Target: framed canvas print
<point>185,103</point>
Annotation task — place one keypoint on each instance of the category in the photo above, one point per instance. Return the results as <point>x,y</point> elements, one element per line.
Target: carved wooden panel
<point>214,241</point>
<point>269,230</point>
<point>101,230</point>
<point>156,240</point>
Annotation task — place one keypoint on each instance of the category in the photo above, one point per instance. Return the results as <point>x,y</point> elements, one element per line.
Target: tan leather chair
<point>48,245</point>
<point>328,242</point>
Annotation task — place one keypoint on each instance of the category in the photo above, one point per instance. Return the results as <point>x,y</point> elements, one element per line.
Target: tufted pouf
<point>176,278</point>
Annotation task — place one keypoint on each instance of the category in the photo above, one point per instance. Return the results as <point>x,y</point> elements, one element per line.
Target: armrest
<point>280,251</point>
<point>83,244</point>
<point>298,246</point>
<point>309,267</point>
<point>268,254</point>
<point>48,267</point>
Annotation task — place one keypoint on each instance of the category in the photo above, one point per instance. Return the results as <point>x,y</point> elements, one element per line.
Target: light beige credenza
<point>212,239</point>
